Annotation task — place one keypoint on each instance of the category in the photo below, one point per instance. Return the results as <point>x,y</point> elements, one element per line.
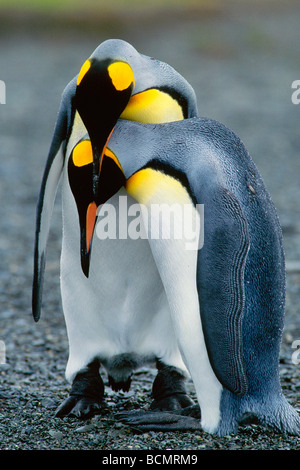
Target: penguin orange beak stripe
<point>91,215</point>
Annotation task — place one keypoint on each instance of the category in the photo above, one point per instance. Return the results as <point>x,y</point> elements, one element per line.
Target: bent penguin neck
<point>134,144</point>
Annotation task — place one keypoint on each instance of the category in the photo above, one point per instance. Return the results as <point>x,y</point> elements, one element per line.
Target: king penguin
<point>114,304</point>
<point>226,292</point>
<point>212,310</point>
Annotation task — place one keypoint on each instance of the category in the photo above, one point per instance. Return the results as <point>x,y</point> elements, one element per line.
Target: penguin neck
<point>134,144</point>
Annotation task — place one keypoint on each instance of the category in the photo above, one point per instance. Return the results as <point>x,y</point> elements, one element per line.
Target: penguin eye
<point>82,153</point>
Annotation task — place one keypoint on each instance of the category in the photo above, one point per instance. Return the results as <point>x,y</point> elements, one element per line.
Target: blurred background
<point>241,57</point>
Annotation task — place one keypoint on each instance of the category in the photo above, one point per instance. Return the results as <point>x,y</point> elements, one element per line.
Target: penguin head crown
<point>104,88</point>
<point>119,72</point>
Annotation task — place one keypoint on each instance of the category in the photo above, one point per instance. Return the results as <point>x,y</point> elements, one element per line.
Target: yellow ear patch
<point>121,75</point>
<point>83,153</point>
<point>86,66</point>
<point>152,106</point>
<point>148,184</point>
<point>110,154</point>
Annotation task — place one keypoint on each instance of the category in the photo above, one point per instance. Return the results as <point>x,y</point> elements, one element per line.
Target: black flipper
<point>51,177</point>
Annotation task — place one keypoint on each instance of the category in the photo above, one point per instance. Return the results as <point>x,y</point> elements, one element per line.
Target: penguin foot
<point>168,390</point>
<point>193,411</point>
<point>80,407</point>
<point>186,419</point>
<point>144,421</point>
<point>86,395</point>
<point>171,410</point>
<point>173,403</point>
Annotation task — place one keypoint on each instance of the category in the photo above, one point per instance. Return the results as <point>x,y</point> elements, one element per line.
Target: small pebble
<point>56,434</point>
<point>85,428</point>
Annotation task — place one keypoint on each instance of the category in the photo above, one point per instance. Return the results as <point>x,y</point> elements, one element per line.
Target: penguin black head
<point>104,88</point>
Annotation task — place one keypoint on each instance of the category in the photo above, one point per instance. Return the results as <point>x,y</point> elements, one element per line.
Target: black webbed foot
<point>193,411</point>
<point>171,410</point>
<point>172,403</point>
<point>144,421</point>
<point>80,407</point>
<point>168,391</point>
<point>86,395</point>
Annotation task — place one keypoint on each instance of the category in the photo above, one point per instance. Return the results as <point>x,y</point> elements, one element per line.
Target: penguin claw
<point>192,411</point>
<point>144,421</point>
<point>80,407</point>
<point>173,403</point>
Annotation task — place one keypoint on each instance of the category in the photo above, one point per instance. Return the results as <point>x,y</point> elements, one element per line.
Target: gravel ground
<point>241,63</point>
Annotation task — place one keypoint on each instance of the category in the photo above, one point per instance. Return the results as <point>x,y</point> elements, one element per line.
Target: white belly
<point>122,307</point>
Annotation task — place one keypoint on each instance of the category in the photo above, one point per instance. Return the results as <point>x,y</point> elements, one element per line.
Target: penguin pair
<point>128,128</point>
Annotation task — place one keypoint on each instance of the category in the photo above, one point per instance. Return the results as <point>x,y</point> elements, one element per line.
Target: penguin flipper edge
<point>43,217</point>
<point>51,177</point>
<point>220,280</point>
